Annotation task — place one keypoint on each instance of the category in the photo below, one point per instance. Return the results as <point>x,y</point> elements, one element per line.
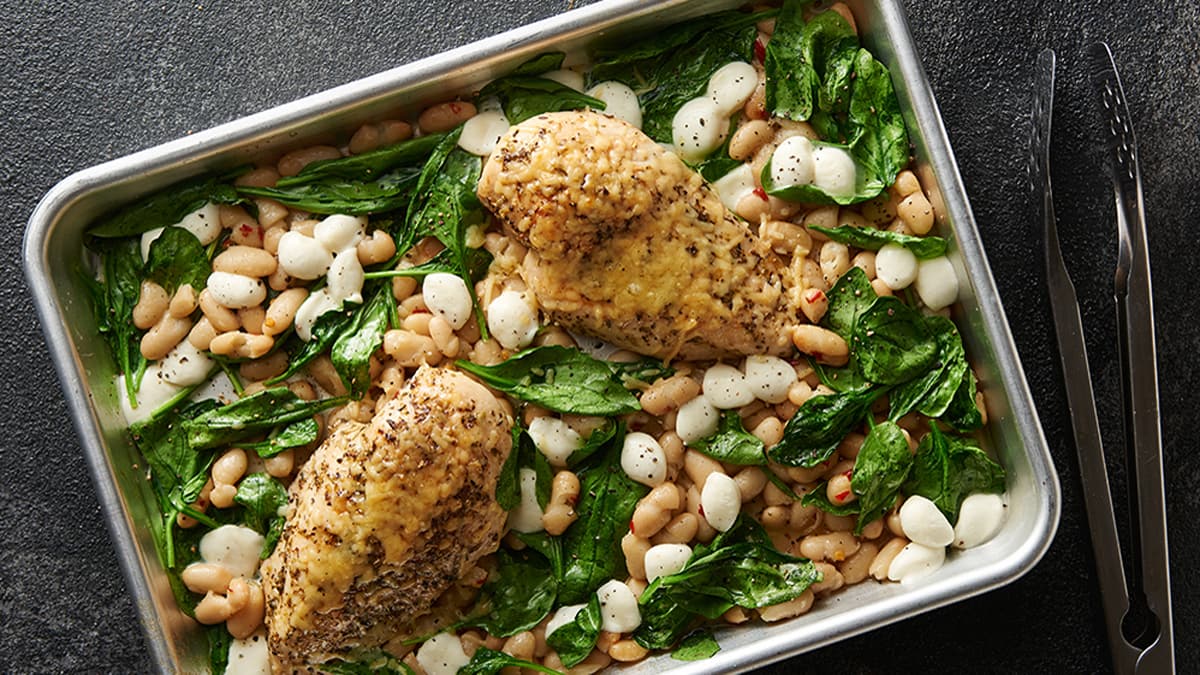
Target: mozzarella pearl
<point>792,162</point>
<point>924,523</point>
<point>234,547</point>
<point>339,232</point>
<point>511,320</point>
<point>236,291</point>
<point>303,257</point>
<point>442,654</point>
<point>979,519</point>
<point>643,459</point>
<point>721,500</point>
<point>937,284</point>
<point>481,133</point>
<point>664,560</point>
<point>313,307</point>
<point>833,171</point>
<point>527,517</point>
<point>735,185</point>
<point>725,387</point>
<point>731,86</point>
<point>185,365</point>
<point>346,277</point>
<point>896,266</point>
<point>698,129</point>
<point>915,562</point>
<point>554,439</point>
<point>447,295</point>
<point>619,101</point>
<point>567,78</point>
<point>769,377</point>
<point>618,608</point>
<point>696,419</point>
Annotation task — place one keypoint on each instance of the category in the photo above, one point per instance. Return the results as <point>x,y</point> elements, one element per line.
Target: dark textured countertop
<point>88,82</point>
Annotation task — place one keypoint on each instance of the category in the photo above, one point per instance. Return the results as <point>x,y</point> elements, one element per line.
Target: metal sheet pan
<point>54,263</point>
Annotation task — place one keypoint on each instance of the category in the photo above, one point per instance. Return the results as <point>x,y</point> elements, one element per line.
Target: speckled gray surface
<point>89,82</point>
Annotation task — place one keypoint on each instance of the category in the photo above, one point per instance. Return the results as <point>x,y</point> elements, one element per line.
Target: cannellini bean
<point>245,260</point>
<point>447,295</point>
<point>294,162</point>
<point>726,387</point>
<point>339,233</point>
<point>618,608</point>
<point>721,500</point>
<point>152,303</point>
<point>924,523</point>
<point>205,577</point>
<point>786,610</point>
<point>619,101</point>
<point>916,212</point>
<point>748,138</point>
<point>666,559</point>
<point>979,519</point>
<point>481,133</point>
<point>833,171</point>
<point>643,459</point>
<point>896,266</point>
<point>442,654</point>
<point>235,290</point>
<point>915,562</point>
<point>303,257</point>
<point>245,621</point>
<point>565,615</point>
<point>821,343</point>
<point>731,86</point>
<point>555,439</point>
<point>698,128</point>
<point>445,116</point>
<point>512,320</point>
<point>769,377</point>
<point>937,284</point>
<point>185,365</point>
<point>184,302</point>
<point>527,516</point>
<point>696,419</point>
<point>346,277</point>
<point>792,162</point>
<point>282,311</point>
<point>163,336</point>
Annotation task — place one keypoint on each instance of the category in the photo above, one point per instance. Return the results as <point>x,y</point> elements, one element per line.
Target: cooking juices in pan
<point>558,374</point>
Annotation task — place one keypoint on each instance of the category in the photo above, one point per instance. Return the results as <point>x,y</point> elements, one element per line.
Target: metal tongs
<point>1137,610</point>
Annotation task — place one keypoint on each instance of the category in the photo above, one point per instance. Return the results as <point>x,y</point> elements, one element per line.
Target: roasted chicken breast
<point>628,244</point>
<point>384,519</point>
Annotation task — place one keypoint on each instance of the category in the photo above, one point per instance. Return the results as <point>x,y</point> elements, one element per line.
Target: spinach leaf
<point>490,662</point>
<point>523,94</point>
<point>376,663</point>
<point>166,207</point>
<point>121,262</point>
<point>963,413</point>
<point>843,379</point>
<point>592,545</point>
<point>879,139</point>
<point>176,258</point>
<point>870,239</point>
<point>293,435</point>
<point>947,469</point>
<point>574,640</point>
<point>739,569</point>
<point>520,595</point>
<point>524,455</point>
<point>351,352</point>
<point>561,379</point>
<point>598,439</point>
<point>719,163</point>
<point>673,67</point>
<point>326,329</point>
<point>389,192</point>
<point>219,641</point>
<point>798,56</point>
<point>814,432</point>
<point>550,548</point>
<point>542,63</point>
<point>697,646</point>
<point>731,443</point>
<point>263,498</point>
<point>819,497</point>
<point>366,166</point>
<point>477,261</point>
<point>253,414</point>
<point>879,471</point>
<point>932,392</point>
<point>892,343</point>
<point>848,299</point>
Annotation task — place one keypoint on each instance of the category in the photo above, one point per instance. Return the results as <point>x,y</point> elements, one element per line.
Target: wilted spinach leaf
<point>326,329</point>
<point>731,443</point>
<point>166,207</point>
<point>524,455</point>
<point>697,646</point>
<point>932,392</point>
<point>263,497</point>
<point>521,594</point>
<point>892,343</point>
<point>490,662</point>
<point>947,469</point>
<point>292,435</point>
<point>817,428</point>
<point>252,415</point>
<point>114,301</point>
<point>523,94</point>
<point>368,165</point>
<point>879,471</point>
<point>351,352</point>
<point>176,258</point>
<point>574,640</point>
<point>870,239</point>
<point>963,413</point>
<point>848,299</point>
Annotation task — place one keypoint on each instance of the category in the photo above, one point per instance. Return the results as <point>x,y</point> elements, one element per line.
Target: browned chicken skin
<point>630,245</point>
<point>384,518</point>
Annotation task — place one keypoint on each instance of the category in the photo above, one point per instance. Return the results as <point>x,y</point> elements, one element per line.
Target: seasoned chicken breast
<point>628,244</point>
<point>384,518</point>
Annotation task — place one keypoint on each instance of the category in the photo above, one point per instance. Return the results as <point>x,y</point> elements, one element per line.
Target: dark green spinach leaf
<point>326,329</point>
<point>176,258</point>
<point>263,498</point>
<point>367,166</point>
<point>866,184</point>
<point>293,435</point>
<point>351,352</point>
<point>520,595</point>
<point>815,431</point>
<point>879,471</point>
<point>252,415</point>
<point>574,640</point>
<point>523,94</point>
<point>849,298</point>
<point>166,207</point>
<point>931,393</point>
<point>947,469</point>
<point>963,412</point>
<point>797,58</point>
<point>878,137</point>
<point>892,343</point>
<point>113,303</point>
<point>697,646</point>
<point>490,662</point>
<point>870,239</point>
<point>731,443</point>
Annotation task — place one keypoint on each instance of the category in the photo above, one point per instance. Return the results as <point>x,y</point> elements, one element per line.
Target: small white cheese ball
<point>554,438</point>
<point>204,222</point>
<point>979,519</point>
<point>896,266</point>
<point>664,560</point>
<point>792,162</point>
<point>735,185</point>
<point>619,101</point>
<point>731,86</point>
<point>721,500</point>
<point>937,284</point>
<point>643,459</point>
<point>313,307</point>
<point>234,547</point>
<point>916,561</point>
<point>447,296</point>
<point>697,419</point>
<point>249,656</point>
<point>725,387</point>
<point>565,615</point>
<point>154,392</point>
<point>442,654</point>
<point>618,608</point>
<point>698,129</point>
<point>346,277</point>
<point>303,257</point>
<point>833,171</point>
<point>338,233</point>
<point>185,365</point>
<point>769,377</point>
<point>512,320</point>
<point>481,133</point>
<point>924,523</point>
<point>527,517</point>
<point>567,78</point>
<point>236,291</point>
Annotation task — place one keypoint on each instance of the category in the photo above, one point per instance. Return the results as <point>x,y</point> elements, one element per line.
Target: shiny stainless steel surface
<point>53,262</point>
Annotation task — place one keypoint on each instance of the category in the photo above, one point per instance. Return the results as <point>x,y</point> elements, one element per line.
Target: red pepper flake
<point>842,496</point>
<point>700,510</point>
<point>760,50</point>
<point>815,295</point>
<point>760,193</point>
<point>245,229</point>
<point>631,531</point>
<point>455,108</point>
<point>849,473</point>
